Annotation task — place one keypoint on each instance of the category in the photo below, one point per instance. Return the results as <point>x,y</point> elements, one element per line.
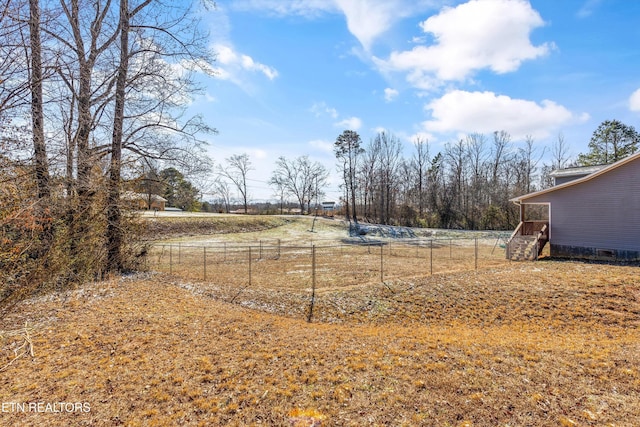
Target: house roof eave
<point>522,199</point>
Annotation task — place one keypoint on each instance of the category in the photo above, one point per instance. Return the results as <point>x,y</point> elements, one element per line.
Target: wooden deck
<point>528,240</point>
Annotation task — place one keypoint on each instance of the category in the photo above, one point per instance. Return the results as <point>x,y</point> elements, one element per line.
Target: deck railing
<point>538,230</point>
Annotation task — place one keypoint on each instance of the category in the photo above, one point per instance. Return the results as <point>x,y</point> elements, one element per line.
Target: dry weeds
<point>544,344</point>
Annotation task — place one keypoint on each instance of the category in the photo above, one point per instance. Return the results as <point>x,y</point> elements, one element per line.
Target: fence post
<point>179,253</point>
<point>204,261</point>
<point>313,282</point>
<point>170,259</point>
<point>260,257</point>
<point>431,256</point>
<point>381,262</point>
<point>476,252</point>
<point>450,248</point>
<point>249,265</point>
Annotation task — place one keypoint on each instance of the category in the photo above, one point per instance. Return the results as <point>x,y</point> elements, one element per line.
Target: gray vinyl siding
<point>601,213</point>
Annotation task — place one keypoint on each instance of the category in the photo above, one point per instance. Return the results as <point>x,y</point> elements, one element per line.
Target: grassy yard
<point>523,344</point>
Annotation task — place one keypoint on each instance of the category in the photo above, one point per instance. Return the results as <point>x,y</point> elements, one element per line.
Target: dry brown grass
<point>278,266</point>
<point>512,344</point>
<point>164,225</point>
<point>535,344</point>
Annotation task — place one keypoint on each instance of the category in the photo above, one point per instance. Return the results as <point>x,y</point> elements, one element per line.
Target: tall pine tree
<point>612,141</point>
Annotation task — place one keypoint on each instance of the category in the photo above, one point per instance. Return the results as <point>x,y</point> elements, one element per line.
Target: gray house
<point>562,176</point>
<point>591,213</point>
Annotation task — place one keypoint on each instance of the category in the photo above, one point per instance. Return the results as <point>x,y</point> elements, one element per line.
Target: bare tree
<point>475,196</point>
<point>455,160</point>
<point>114,223</point>
<point>442,196</point>
<point>368,179</point>
<point>236,170</point>
<point>501,144</point>
<point>150,34</point>
<point>125,72</point>
<point>37,109</point>
<point>15,33</point>
<point>223,191</point>
<point>90,38</point>
<point>420,164</point>
<point>559,159</point>
<point>528,162</point>
<point>500,154</point>
<point>148,181</point>
<point>347,149</point>
<point>559,153</point>
<point>389,164</point>
<point>301,178</point>
<point>109,80</point>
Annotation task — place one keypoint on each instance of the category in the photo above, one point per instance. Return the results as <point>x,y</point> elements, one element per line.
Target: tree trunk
<point>37,115</point>
<point>114,216</point>
<point>353,194</point>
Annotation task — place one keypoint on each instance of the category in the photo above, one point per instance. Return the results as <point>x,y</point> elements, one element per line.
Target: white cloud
<point>234,64</point>
<point>390,94</point>
<point>380,129</point>
<point>352,123</point>
<point>486,112</point>
<point>479,34</point>
<point>259,153</point>
<point>369,19</point>
<point>322,145</point>
<point>307,8</point>
<point>185,66</point>
<point>634,101</point>
<point>421,136</point>
<point>249,64</point>
<point>320,108</point>
<point>366,19</point>
<point>588,8</point>
<point>225,55</point>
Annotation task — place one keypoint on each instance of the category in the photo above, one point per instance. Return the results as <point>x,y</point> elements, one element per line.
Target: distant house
<point>592,213</point>
<point>143,201</point>
<point>328,208</point>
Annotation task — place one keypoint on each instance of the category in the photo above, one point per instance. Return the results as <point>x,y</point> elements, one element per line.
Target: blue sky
<point>291,75</point>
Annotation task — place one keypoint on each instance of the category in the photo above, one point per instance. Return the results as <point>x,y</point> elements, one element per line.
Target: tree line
<point>92,96</point>
<point>465,185</point>
<point>468,184</point>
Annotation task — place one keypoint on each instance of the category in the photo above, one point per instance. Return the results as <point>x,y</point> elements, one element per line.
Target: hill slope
<point>563,350</point>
